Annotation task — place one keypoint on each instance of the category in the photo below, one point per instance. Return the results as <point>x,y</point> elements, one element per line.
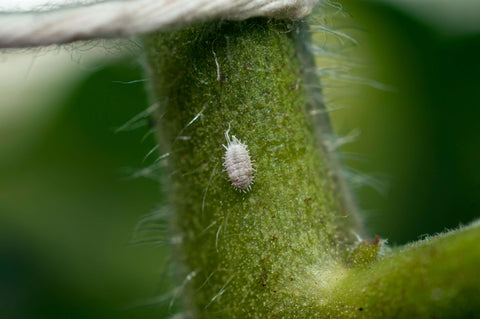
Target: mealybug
<point>237,163</point>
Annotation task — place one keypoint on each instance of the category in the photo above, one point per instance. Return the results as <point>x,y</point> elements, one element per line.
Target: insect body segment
<point>237,163</point>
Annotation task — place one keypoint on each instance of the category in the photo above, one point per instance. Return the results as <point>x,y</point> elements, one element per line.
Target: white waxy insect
<point>237,163</point>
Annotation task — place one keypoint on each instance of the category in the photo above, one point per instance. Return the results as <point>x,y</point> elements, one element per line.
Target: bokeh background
<point>69,202</point>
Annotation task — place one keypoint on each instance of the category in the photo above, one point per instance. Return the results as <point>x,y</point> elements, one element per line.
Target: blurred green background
<point>419,139</point>
<point>68,205</point>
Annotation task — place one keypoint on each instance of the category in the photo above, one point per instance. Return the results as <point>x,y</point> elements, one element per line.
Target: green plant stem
<point>434,278</point>
<point>287,248</point>
<point>250,252</point>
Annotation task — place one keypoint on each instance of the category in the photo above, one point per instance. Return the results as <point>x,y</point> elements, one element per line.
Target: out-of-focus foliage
<point>68,209</point>
<point>449,17</point>
<point>420,140</point>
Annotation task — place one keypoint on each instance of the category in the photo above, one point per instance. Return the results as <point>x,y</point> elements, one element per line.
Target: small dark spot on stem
<point>263,279</point>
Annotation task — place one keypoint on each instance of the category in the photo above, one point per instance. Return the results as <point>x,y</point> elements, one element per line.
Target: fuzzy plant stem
<point>287,248</point>
<point>252,252</point>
